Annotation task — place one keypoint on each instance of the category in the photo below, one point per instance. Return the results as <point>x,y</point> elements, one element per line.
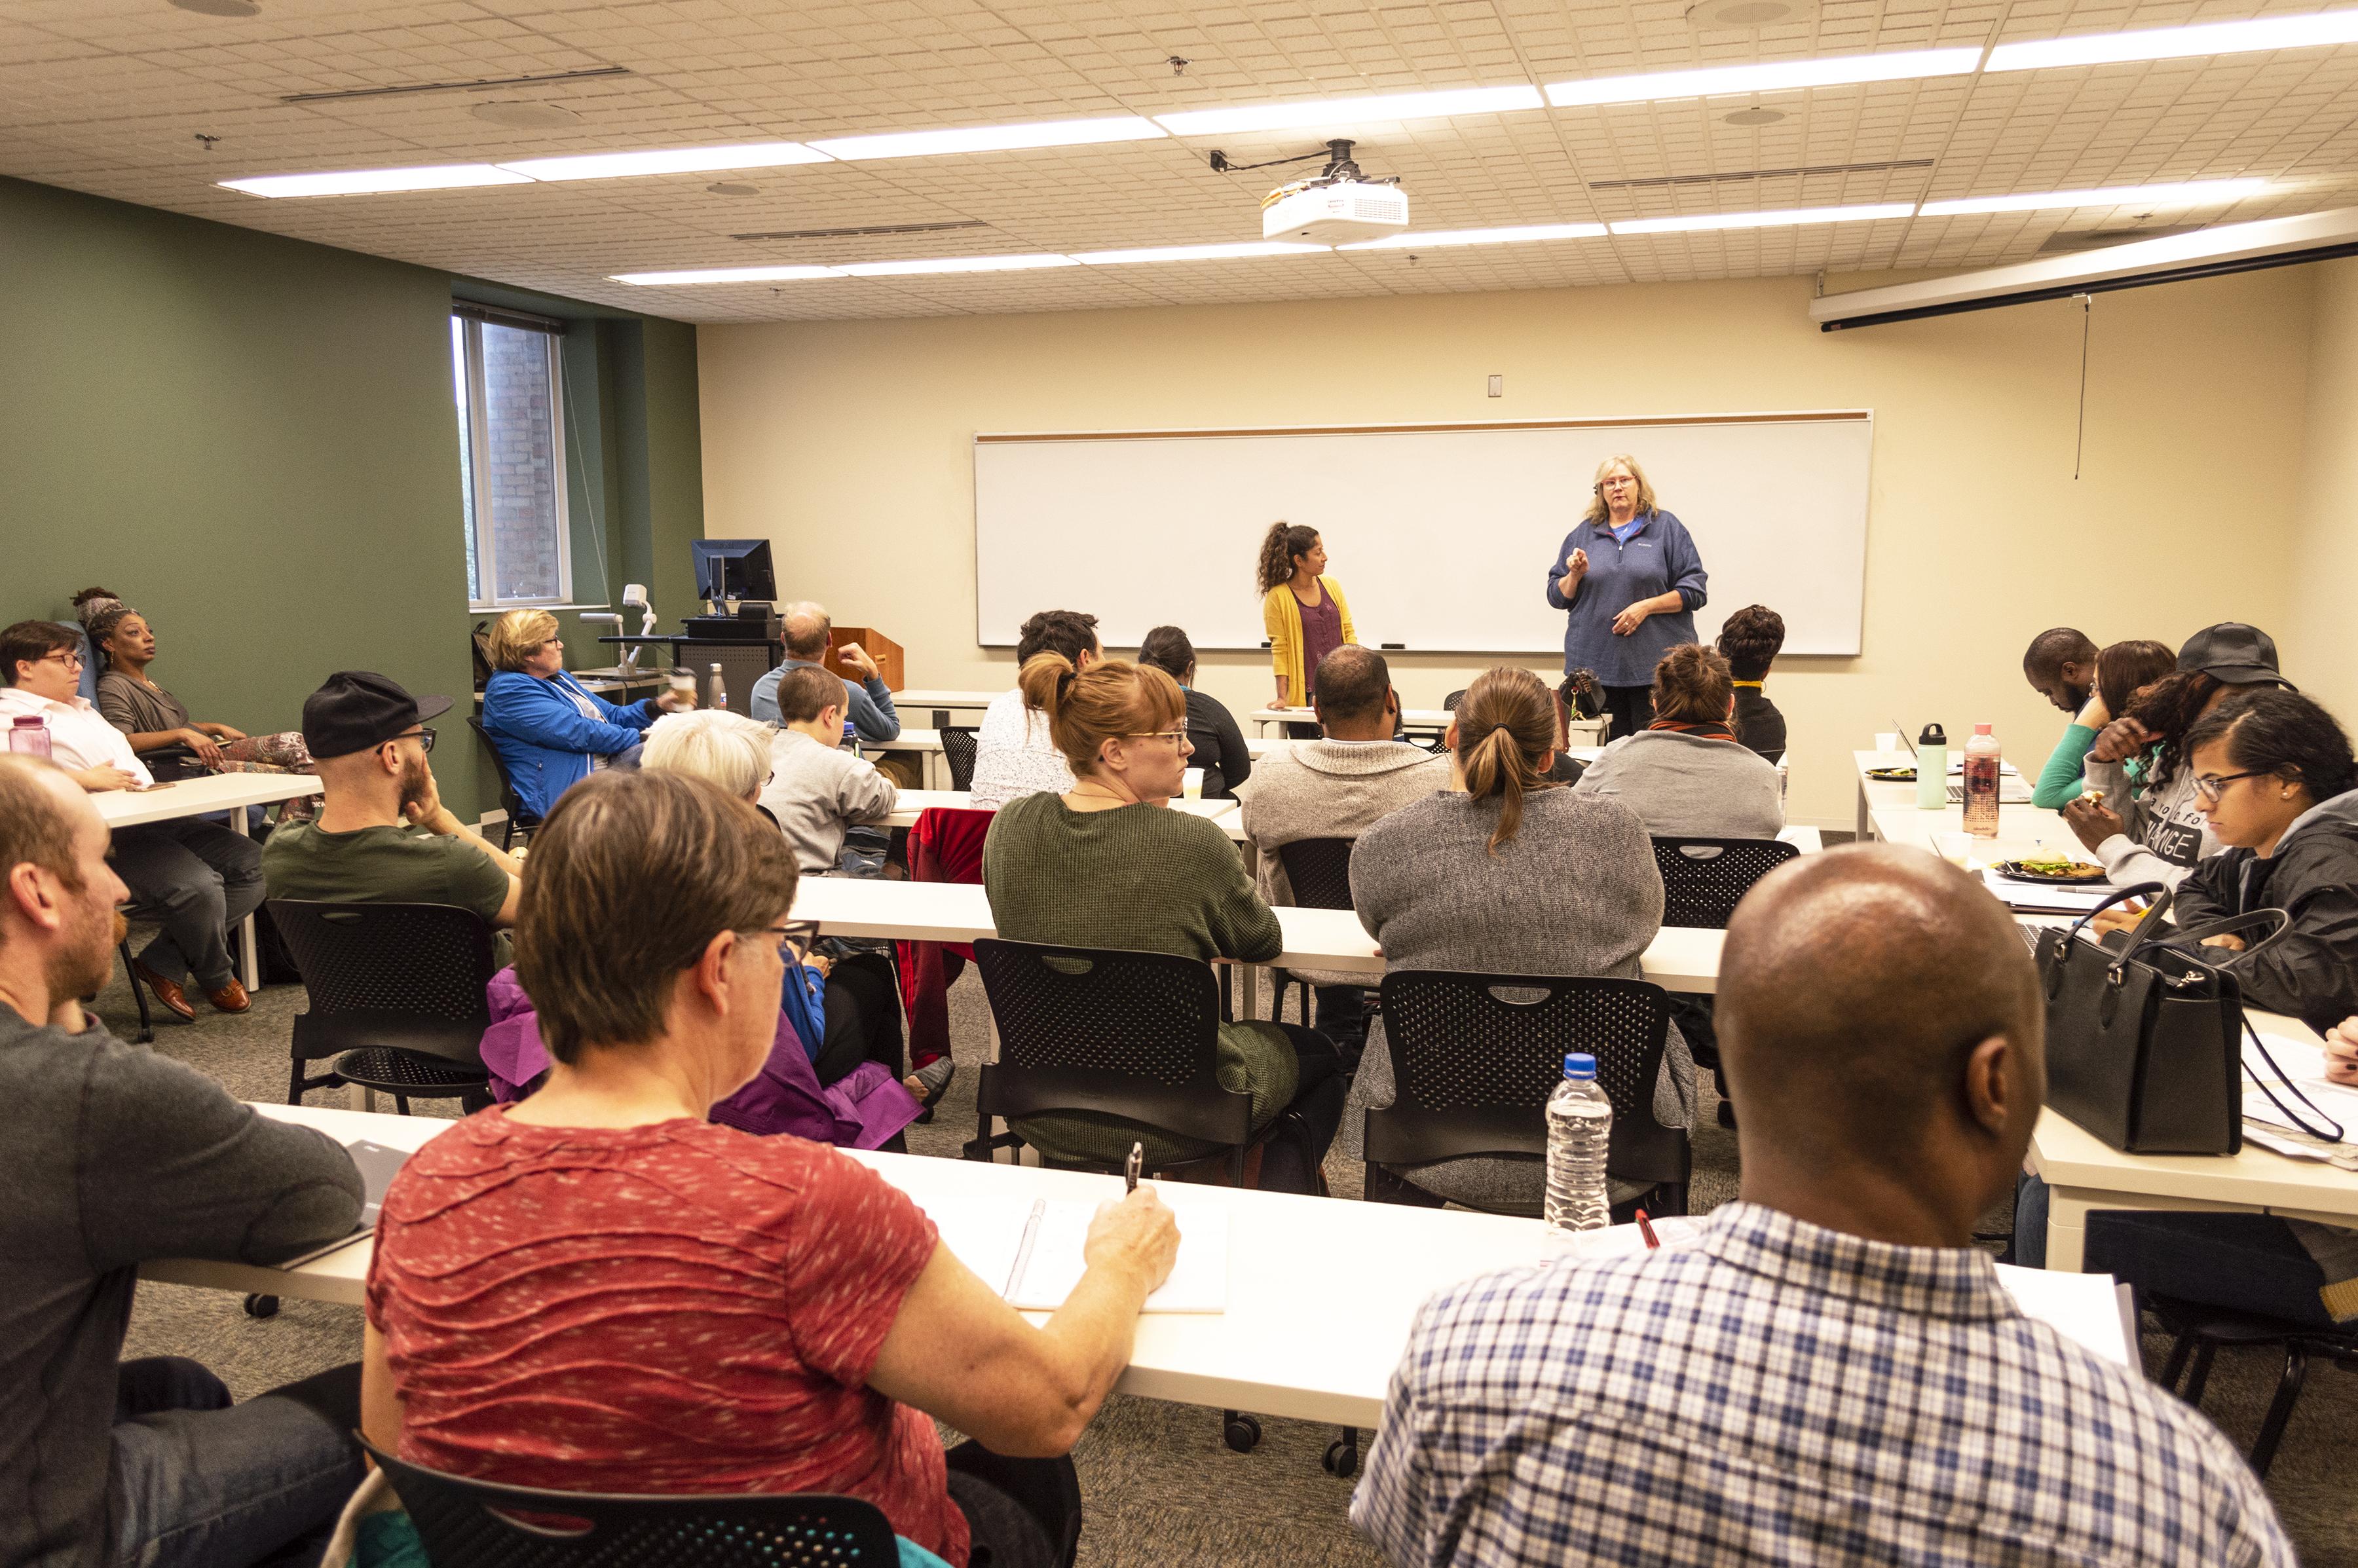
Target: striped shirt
<point>1782,1393</point>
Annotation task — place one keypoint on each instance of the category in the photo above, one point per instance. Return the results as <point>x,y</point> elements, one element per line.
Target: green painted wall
<point>253,440</point>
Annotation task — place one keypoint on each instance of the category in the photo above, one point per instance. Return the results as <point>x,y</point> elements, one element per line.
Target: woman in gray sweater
<point>1687,777</point>
<point>1507,873</point>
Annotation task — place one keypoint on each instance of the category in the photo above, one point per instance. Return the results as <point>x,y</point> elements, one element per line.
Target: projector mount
<point>1339,165</point>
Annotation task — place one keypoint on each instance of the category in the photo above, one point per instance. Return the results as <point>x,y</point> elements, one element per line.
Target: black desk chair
<point>1475,1056</point>
<point>1702,882</point>
<point>138,991</point>
<point>510,801</point>
<point>1130,1034</point>
<point>958,743</point>
<point>465,1523</point>
<point>1703,879</point>
<point>2201,1330</point>
<point>1319,872</point>
<point>396,998</point>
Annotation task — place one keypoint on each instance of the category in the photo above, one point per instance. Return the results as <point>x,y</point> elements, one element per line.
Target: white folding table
<point>1321,1293</point>
<point>235,793</point>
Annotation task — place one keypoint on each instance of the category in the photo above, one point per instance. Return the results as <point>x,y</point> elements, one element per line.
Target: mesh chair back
<point>510,801</point>
<point>1703,878</point>
<point>1476,1057</point>
<point>1454,699</point>
<point>1319,871</point>
<point>1131,1034</point>
<point>958,743</point>
<point>465,1523</point>
<point>410,976</point>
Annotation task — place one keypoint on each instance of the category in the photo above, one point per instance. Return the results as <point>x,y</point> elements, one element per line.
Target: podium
<point>882,649</point>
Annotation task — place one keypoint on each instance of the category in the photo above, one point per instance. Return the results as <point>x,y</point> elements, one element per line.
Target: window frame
<point>475,435</point>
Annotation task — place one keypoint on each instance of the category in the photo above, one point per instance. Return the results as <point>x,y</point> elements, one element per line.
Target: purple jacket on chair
<point>861,1110</point>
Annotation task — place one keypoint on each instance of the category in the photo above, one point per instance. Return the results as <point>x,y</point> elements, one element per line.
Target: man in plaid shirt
<point>1832,1374</point>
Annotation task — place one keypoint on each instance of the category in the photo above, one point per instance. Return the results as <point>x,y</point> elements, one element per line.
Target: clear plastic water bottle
<point>1579,1127</point>
<point>716,690</point>
<point>1982,781</point>
<point>29,736</point>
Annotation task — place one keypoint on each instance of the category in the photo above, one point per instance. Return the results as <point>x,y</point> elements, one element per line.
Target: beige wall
<point>2316,642</point>
<point>849,443</point>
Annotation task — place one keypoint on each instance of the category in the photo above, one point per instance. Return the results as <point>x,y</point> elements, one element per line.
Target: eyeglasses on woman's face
<point>2211,786</point>
<point>65,656</point>
<point>1177,737</point>
<point>795,940</point>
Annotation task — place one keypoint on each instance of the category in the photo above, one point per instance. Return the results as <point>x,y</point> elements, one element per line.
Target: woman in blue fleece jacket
<point>550,730</point>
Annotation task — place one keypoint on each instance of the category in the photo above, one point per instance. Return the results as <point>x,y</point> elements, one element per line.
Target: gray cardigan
<point>1690,786</point>
<point>1575,892</point>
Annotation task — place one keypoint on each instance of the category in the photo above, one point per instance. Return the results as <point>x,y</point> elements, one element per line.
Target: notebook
<point>378,1164</point>
<point>1029,1249</point>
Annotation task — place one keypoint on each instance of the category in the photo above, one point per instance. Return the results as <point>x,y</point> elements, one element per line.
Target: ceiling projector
<point>1335,207</point>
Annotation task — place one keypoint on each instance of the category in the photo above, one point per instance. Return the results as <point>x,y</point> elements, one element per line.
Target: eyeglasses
<point>796,939</point>
<point>65,656</point>
<point>1177,737</point>
<point>422,735</point>
<point>2211,788</point>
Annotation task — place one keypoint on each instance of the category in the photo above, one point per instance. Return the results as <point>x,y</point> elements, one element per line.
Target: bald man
<point>868,702</point>
<point>1832,1373</point>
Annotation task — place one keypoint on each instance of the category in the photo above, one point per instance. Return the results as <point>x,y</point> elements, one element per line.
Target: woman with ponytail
<point>1507,872</point>
<point>1304,611</point>
<point>1105,865</point>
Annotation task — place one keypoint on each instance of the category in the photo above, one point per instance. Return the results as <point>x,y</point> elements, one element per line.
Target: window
<point>511,460</point>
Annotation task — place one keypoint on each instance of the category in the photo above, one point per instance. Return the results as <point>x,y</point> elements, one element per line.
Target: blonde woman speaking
<point>1630,582</point>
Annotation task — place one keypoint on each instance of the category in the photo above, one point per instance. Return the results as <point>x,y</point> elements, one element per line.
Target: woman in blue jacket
<point>1630,580</point>
<point>550,731</point>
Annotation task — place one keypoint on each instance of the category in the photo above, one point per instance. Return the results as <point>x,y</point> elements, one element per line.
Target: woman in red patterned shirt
<point>598,1290</point>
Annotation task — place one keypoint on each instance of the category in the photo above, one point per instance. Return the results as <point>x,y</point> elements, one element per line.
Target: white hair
<point>729,749</point>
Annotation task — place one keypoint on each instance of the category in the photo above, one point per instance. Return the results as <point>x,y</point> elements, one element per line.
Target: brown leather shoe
<point>230,997</point>
<point>176,1001</point>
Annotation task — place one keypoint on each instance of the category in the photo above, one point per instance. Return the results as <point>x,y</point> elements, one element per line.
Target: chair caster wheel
<point>1341,1458</point>
<point>262,1307</point>
<point>1241,1432</point>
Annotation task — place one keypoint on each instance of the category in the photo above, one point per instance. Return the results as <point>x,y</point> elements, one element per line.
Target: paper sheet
<point>2040,898</point>
<point>2081,1307</point>
<point>987,1235</point>
<point>2302,1063</point>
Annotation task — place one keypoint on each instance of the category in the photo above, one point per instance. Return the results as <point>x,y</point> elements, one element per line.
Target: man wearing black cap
<point>2160,834</point>
<point>383,834</point>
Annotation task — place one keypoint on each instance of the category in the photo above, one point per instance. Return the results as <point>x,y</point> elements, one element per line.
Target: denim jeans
<point>198,1481</point>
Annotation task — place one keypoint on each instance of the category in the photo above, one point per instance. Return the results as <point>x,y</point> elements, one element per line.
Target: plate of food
<point>2059,870</point>
<point>1892,775</point>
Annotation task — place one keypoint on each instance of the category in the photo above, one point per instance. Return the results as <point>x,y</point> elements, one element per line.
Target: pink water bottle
<point>29,736</point>
<point>1982,759</point>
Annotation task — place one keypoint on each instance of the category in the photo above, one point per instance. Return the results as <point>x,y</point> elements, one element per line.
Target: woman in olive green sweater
<point>1104,865</point>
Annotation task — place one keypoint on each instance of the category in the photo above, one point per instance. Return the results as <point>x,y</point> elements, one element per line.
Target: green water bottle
<point>1933,769</point>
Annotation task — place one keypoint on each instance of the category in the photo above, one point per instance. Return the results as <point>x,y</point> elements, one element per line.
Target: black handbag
<point>2143,1039</point>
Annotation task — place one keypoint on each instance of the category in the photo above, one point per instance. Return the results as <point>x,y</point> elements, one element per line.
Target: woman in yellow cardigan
<point>1303,609</point>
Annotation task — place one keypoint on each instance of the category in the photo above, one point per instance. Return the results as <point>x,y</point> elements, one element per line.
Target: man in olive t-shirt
<point>383,834</point>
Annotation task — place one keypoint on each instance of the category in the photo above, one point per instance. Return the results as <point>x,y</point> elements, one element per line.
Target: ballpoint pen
<point>1130,1167</point>
<point>1646,1229</point>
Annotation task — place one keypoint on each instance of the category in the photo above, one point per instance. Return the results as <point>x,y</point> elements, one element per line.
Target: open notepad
<point>2088,1309</point>
<point>1029,1249</point>
<point>2301,1094</point>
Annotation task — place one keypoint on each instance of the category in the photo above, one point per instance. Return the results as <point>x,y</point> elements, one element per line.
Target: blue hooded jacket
<point>545,739</point>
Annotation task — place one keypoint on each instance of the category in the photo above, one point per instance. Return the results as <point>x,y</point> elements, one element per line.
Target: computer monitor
<point>734,569</point>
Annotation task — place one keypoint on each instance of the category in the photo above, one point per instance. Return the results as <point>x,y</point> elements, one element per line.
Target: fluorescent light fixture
<point>729,275</point>
<point>1301,112</point>
<point>1241,251</point>
<point>1766,220</point>
<point>665,160</point>
<point>2174,43</point>
<point>1899,65</point>
<point>2191,193</point>
<point>992,138</point>
<point>375,181</point>
<point>1439,238</point>
<point>954,263</point>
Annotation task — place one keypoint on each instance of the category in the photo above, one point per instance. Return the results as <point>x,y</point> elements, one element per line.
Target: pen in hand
<point>1130,1167</point>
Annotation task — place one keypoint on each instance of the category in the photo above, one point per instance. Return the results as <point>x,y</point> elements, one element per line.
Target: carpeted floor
<point>1161,1487</point>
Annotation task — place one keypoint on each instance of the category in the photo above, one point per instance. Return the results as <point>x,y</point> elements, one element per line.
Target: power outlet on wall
<point>1498,386</point>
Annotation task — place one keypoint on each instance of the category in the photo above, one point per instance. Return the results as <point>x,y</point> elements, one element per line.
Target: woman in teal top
<point>2122,670</point>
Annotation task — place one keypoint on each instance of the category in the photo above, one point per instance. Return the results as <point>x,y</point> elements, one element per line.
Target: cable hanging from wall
<point>2087,318</point>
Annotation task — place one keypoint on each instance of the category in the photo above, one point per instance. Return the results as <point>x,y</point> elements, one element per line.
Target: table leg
<point>1865,820</point>
<point>249,958</point>
<point>1248,991</point>
<point>2066,1228</point>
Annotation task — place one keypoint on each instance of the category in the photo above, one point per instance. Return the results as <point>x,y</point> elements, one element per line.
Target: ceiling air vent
<point>2068,242</point>
<point>871,230</point>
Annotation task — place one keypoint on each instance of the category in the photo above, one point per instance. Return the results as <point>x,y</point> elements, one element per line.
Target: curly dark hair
<point>1278,548</point>
<point>2124,669</point>
<point>1751,639</point>
<point>1067,631</point>
<point>2282,732</point>
<point>2169,708</point>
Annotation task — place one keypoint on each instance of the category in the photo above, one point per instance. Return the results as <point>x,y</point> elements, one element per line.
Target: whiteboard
<point>1441,536</point>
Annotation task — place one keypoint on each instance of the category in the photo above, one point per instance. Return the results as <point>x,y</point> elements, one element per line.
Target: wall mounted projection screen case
<point>1440,534</point>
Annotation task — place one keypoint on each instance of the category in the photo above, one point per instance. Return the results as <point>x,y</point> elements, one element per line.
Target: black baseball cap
<point>356,709</point>
<point>2233,654</point>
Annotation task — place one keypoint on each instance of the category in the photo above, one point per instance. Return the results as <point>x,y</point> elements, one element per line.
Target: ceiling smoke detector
<point>1752,118</point>
<point>1745,15</point>
<point>521,117</point>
